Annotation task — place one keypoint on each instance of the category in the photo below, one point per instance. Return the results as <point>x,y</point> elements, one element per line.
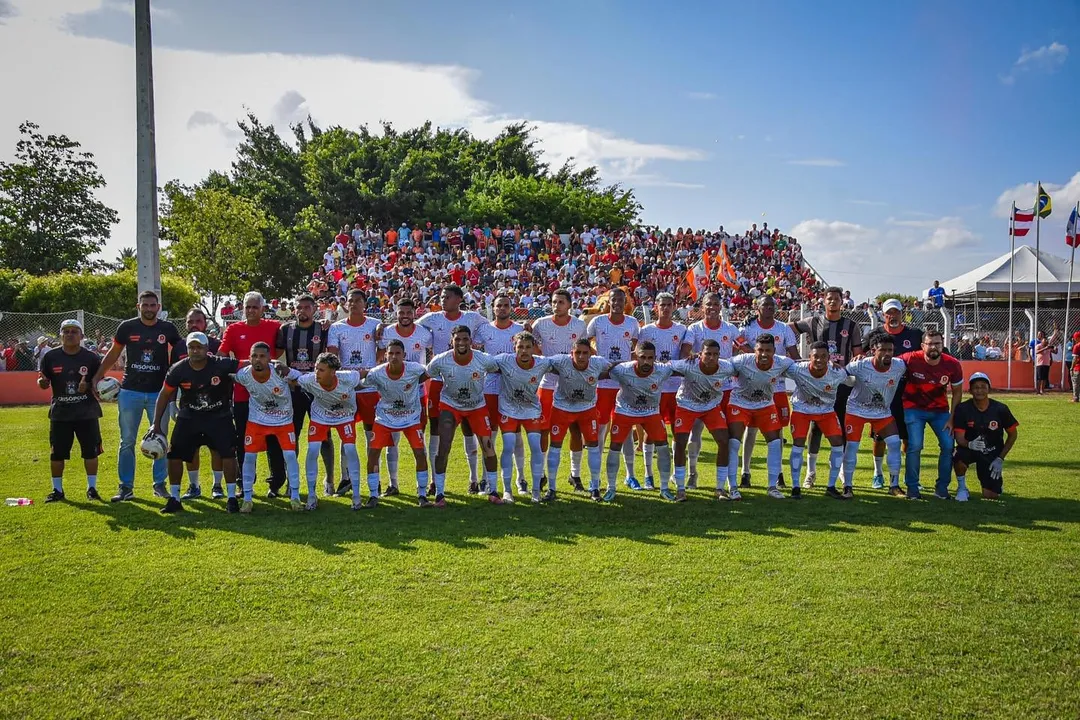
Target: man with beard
<point>668,336</point>
<point>196,322</point>
<point>496,338</point>
<point>147,340</point>
<point>698,400</point>
<point>933,387</point>
<point>877,380</point>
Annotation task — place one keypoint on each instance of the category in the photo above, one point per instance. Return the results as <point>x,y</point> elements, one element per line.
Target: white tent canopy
<point>992,279</point>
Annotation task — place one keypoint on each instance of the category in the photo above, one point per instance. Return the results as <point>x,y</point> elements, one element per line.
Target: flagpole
<point>1035,329</point>
<point>1012,271</point>
<point>1066,337</point>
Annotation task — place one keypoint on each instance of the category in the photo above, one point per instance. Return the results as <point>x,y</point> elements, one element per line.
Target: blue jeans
<point>133,405</point>
<point>916,421</point>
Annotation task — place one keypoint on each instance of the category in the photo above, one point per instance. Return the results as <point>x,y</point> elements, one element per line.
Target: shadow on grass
<point>469,521</point>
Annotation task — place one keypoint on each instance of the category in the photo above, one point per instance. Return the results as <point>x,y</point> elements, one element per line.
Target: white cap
<point>71,322</point>
<point>979,376</point>
<point>892,304</point>
<point>197,337</point>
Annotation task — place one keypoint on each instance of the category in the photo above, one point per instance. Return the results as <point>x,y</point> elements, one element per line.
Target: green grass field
<point>879,607</point>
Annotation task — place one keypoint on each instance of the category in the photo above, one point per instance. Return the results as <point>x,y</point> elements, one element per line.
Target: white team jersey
<point>576,391</point>
<point>416,343</point>
<point>442,328</point>
<point>518,398</point>
<point>556,339</point>
<point>815,395</point>
<point>463,385</point>
<point>496,341</point>
<point>356,344</point>
<point>725,334</point>
<point>874,390</point>
<point>754,390</point>
<point>613,341</point>
<point>639,396</point>
<point>399,398</point>
<point>668,342</point>
<point>700,392</point>
<point>271,401</point>
<point>785,338</point>
<point>336,406</point>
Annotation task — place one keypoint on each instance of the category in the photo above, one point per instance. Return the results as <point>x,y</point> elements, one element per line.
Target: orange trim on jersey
<point>463,364</point>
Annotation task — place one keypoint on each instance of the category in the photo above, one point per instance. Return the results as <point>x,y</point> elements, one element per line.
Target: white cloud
<point>818,162</point>
<point>701,95</point>
<point>1045,59</point>
<point>1063,195</point>
<point>873,203</point>
<point>127,7</point>
<point>200,95</point>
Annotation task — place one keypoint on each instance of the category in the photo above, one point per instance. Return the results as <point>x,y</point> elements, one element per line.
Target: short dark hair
<point>584,342</point>
<point>196,310</point>
<point>646,345</point>
<point>932,333</point>
<point>396,343</point>
<point>563,292</point>
<point>306,297</point>
<point>710,343</point>
<point>765,339</point>
<point>357,292</point>
<point>329,359</point>
<point>881,338</point>
<point>462,329</point>
<point>525,335</point>
<point>819,345</point>
<point>456,290</point>
<point>261,346</point>
<point>407,302</point>
<point>148,293</point>
<point>834,289</point>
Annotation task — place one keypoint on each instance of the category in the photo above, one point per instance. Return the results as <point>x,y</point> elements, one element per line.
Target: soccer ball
<point>154,446</point>
<point>108,389</point>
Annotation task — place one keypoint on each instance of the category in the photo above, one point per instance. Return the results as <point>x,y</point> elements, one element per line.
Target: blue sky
<point>889,136</point>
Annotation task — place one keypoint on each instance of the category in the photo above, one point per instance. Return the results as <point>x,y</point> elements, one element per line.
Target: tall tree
<point>50,219</point>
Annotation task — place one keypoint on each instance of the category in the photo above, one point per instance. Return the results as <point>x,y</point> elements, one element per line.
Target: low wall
<point>20,388</point>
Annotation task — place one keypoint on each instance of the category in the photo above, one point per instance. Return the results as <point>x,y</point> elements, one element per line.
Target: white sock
<point>292,470</point>
<point>91,481</point>
<point>538,459</point>
<point>575,463</point>
<point>352,459</point>
<point>878,465</point>
<point>193,477</point>
<point>648,451</point>
<point>628,452</point>
<point>836,461</point>
<point>722,477</point>
<point>961,483</point>
<point>174,490</point>
<point>519,458</point>
<point>892,451</point>
<point>851,457</point>
<point>612,468</point>
<point>392,457</point>
<point>663,463</point>
<point>432,448</point>
<point>509,447</point>
<point>440,483</point>
<point>693,447</point>
<point>472,448</point>
<point>594,467</point>
<point>554,457</point>
<point>733,462</point>
<point>249,474</point>
<point>680,478</point>
<point>775,460</point>
<point>421,483</point>
<point>58,484</point>
<point>218,475</point>
<point>796,464</point>
<point>602,435</point>
<point>748,448</point>
<point>230,489</point>
<point>311,467</point>
<point>373,484</point>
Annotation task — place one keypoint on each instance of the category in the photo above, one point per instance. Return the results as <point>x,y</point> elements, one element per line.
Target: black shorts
<point>188,435</point>
<point>62,434</point>
<point>981,463</point>
<point>1042,373</point>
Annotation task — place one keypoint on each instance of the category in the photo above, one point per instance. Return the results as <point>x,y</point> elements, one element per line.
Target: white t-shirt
<point>417,343</point>
<point>576,389</point>
<point>613,341</point>
<point>356,344</point>
<point>754,389</point>
<point>399,398</point>
<point>874,390</point>
<point>725,334</point>
<point>668,342</point>
<point>463,385</point>
<point>336,406</point>
<point>518,398</point>
<point>639,396</point>
<point>556,339</point>
<point>785,338</point>
<point>442,327</point>
<point>271,400</point>
<point>496,341</point>
<point>813,395</point>
<point>700,392</point>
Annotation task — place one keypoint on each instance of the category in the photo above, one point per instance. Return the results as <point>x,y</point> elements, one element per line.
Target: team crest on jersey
<point>215,380</point>
<point>416,346</point>
<point>626,334</point>
<point>591,380</point>
<point>843,333</point>
<point>993,425</point>
<point>367,336</point>
<point>83,370</point>
<point>653,386</point>
<point>891,381</point>
<point>944,380</point>
<point>678,422</point>
<point>828,388</point>
<point>161,339</point>
<point>573,336</point>
<point>532,379</point>
<point>276,390</point>
<point>315,340</point>
<point>408,386</point>
<point>724,338</point>
<point>476,376</point>
<point>907,343</point>
<point>555,430</point>
<point>344,396</point>
<point>147,357</point>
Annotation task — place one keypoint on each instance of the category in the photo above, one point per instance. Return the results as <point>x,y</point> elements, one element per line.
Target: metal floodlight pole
<point>146,218</point>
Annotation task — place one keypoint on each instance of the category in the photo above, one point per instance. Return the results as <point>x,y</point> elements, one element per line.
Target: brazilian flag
<point>1044,204</point>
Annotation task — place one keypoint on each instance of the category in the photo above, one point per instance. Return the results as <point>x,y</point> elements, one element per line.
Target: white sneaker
<point>734,494</point>
<point>776,494</point>
<point>811,478</point>
<point>962,495</point>
<point>508,497</point>
<point>536,498</point>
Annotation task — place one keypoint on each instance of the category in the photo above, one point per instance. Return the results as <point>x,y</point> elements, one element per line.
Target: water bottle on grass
<point>18,502</point>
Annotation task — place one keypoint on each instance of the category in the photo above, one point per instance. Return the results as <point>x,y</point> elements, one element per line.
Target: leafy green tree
<point>908,300</point>
<point>50,219</point>
<point>126,259</point>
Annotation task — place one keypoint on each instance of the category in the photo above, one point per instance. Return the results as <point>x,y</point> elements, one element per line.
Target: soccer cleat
<point>915,496</point>
<point>328,488</point>
<point>495,499</point>
<point>666,494</point>
<point>962,495</point>
<point>722,494</point>
<point>745,482</point>
<point>796,493</point>
<point>92,494</point>
<point>776,494</point>
<point>247,507</point>
<point>125,493</point>
<point>878,482</point>
<point>272,493</point>
<point>423,502</point>
<point>370,504</point>
<point>691,482</point>
<point>632,483</point>
<point>431,489</point>
<point>193,491</point>
<point>161,491</point>
<point>522,487</point>
<point>378,489</point>
<point>849,494</point>
<point>296,504</point>
<point>172,505</point>
<point>609,496</point>
<point>391,490</point>
<point>734,495</point>
<point>650,484</point>
<point>536,498</point>
<point>232,505</point>
<point>474,488</point>
<point>680,496</point>
<point>811,478</point>
<point>942,496</point>
<point>55,496</point>
<point>595,495</point>
<point>311,504</point>
<point>548,497</point>
<point>895,491</point>
<point>217,493</point>
<point>575,482</point>
<point>780,480</point>
<point>440,501</point>
<point>832,492</point>
<point>543,481</point>
<point>508,498</point>
<point>483,486</point>
<point>344,489</point>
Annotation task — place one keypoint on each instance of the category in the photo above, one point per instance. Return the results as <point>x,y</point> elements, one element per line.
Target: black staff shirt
<point>147,349</point>
<point>65,373</point>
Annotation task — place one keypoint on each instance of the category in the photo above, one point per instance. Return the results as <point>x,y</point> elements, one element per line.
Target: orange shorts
<point>605,404</point>
<point>255,437</point>
<point>653,425</point>
<point>319,433</point>
<point>766,419</point>
<point>478,419</point>
<point>434,392</point>
<point>384,436</point>
<point>855,426</point>
<point>684,420</point>
<point>667,407</point>
<point>547,401</point>
<point>365,407</point>
<point>512,425</point>
<point>783,407</point>
<point>726,401</point>
<point>492,404</point>
<point>561,420</point>
<point>826,422</point>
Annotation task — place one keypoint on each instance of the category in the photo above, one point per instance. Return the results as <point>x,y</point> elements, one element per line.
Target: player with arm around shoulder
<point>985,431</point>
<point>520,409</point>
<point>574,406</point>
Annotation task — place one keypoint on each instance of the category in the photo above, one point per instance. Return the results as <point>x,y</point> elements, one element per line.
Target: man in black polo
<point>75,410</point>
<point>845,344</point>
<point>299,343</point>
